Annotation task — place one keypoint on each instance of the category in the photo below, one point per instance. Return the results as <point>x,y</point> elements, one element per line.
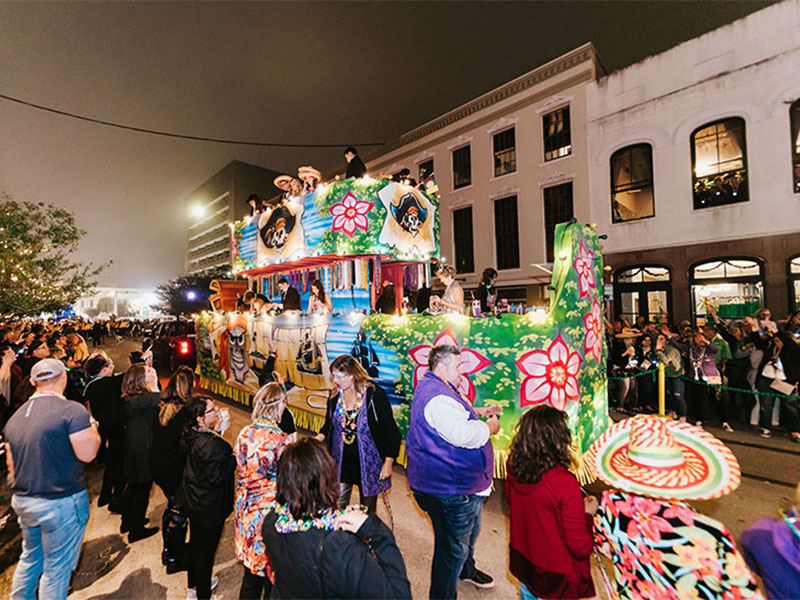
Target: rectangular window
<point>506,233</point>
<point>462,240</point>
<point>557,137</point>
<point>505,152</point>
<point>557,209</point>
<point>462,167</point>
<point>794,119</point>
<point>632,183</point>
<point>425,170</point>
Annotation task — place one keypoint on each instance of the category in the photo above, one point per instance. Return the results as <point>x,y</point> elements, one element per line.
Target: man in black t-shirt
<point>47,441</point>
<point>290,298</point>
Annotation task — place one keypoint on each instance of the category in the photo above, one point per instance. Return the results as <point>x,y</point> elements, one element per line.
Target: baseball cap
<point>47,368</point>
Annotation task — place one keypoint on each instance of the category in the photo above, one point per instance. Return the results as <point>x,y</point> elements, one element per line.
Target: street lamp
<point>191,295</point>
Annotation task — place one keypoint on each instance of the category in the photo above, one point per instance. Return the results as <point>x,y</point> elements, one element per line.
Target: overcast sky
<point>297,72</point>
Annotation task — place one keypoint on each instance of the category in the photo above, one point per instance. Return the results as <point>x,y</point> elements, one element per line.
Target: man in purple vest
<point>450,468</point>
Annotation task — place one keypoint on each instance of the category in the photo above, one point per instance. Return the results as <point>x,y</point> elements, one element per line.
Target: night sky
<point>298,72</point>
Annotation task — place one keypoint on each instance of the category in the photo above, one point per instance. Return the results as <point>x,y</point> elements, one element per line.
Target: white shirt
<point>451,421</point>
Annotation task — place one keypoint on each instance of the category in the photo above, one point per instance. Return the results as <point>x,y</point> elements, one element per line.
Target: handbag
<point>773,370</point>
<point>782,387</point>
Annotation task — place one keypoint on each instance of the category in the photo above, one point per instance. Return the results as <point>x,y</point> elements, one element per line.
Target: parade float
<point>354,236</point>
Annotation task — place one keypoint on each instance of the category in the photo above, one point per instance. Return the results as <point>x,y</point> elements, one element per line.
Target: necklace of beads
<point>791,521</point>
<point>350,420</point>
<point>286,523</point>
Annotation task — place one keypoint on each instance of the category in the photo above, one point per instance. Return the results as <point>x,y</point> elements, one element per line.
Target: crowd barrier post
<point>662,390</point>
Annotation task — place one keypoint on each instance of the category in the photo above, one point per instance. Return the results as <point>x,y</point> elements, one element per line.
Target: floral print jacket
<point>666,550</point>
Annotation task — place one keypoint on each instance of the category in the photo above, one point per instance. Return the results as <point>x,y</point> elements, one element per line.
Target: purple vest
<point>434,465</point>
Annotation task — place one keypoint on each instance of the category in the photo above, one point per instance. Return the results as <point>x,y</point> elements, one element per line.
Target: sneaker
<point>214,582</point>
<point>698,424</point>
<point>727,427</point>
<point>480,579</point>
<point>191,594</point>
<point>795,437</point>
<point>141,534</point>
<point>766,433</point>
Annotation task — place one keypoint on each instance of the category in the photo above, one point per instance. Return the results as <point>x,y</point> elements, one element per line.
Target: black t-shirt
<point>45,464</point>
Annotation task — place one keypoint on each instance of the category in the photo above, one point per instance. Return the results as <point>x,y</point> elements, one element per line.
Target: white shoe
<point>214,582</point>
<point>191,594</point>
<point>727,427</point>
<point>766,433</point>
<point>698,424</point>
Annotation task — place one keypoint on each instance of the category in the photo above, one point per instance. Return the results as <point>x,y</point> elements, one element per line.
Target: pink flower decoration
<point>351,213</point>
<point>471,362</point>
<point>584,265</point>
<point>593,322</point>
<point>551,375</point>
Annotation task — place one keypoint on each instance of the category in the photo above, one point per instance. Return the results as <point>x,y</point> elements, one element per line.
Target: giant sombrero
<point>304,172</point>
<point>657,457</point>
<point>282,182</point>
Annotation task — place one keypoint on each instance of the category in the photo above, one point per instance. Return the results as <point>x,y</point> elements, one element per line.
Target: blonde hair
<point>267,402</point>
<point>446,270</point>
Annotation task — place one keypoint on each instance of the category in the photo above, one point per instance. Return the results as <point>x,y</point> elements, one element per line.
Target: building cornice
<point>539,75</point>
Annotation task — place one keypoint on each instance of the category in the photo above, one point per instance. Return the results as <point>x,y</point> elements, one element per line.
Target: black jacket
<point>336,564</point>
<point>206,489</point>
<point>380,419</point>
<point>291,299</point>
<point>140,411</point>
<point>104,395</point>
<point>167,457</point>
<point>356,168</point>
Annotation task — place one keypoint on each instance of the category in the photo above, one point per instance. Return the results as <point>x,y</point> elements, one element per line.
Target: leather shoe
<point>125,528</point>
<point>140,534</point>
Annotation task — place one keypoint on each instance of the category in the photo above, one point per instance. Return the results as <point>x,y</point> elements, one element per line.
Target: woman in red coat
<point>551,521</point>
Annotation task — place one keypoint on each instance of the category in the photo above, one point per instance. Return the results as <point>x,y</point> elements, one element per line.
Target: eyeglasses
<point>339,376</point>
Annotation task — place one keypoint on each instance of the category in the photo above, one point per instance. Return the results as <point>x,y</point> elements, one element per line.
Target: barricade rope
<point>654,373</point>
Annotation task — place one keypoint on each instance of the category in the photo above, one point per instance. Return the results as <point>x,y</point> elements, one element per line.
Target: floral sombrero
<point>661,458</point>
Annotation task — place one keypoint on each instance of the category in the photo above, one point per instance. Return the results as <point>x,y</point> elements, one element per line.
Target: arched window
<point>632,183</point>
<point>734,285</point>
<point>794,119</point>
<point>719,163</point>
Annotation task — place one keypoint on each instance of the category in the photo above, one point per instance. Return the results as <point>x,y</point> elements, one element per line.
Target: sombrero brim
<point>306,171</point>
<point>710,469</point>
<point>281,180</point>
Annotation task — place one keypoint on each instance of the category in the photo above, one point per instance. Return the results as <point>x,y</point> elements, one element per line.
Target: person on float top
<point>486,291</point>
<point>656,540</point>
<point>317,551</point>
<point>450,469</point>
<point>319,301</point>
<point>771,548</point>
<point>452,300</point>
<point>310,178</point>
<point>360,432</point>
<point>551,522</point>
<point>284,183</point>
<point>256,204</point>
<point>355,166</point>
<point>104,395</point>
<point>386,302</point>
<point>245,302</point>
<point>48,440</point>
<point>404,176</point>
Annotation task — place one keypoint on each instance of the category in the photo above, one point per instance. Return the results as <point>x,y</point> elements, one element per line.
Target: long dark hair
<point>195,407</point>
<point>175,394</point>
<point>307,480</point>
<point>319,289</point>
<point>488,274</point>
<point>541,443</point>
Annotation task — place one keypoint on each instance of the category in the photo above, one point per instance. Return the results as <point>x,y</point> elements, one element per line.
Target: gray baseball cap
<point>47,368</point>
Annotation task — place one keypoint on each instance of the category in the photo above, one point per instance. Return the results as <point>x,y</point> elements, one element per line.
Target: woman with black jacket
<point>140,390</point>
<point>166,463</point>
<point>360,432</point>
<point>206,490</point>
<point>319,552</point>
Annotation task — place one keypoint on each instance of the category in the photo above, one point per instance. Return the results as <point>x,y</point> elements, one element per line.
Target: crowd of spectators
<point>741,373</point>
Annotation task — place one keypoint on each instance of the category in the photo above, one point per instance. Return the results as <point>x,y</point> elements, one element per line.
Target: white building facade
<point>694,168</point>
<point>510,165</point>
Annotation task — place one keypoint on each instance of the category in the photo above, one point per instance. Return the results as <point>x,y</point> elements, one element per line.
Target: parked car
<point>174,343</point>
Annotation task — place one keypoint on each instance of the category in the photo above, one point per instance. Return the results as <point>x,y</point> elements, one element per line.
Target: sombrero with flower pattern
<point>661,458</point>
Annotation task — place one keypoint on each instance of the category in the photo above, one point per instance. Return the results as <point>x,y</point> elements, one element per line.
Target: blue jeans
<point>456,524</point>
<point>52,534</point>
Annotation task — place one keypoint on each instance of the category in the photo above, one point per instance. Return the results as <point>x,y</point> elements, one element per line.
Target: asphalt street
<point>111,568</point>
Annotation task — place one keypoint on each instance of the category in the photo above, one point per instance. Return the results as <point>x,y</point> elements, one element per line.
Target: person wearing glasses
<point>206,490</point>
<point>360,432</point>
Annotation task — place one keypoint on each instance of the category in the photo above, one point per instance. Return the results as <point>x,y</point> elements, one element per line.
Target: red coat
<point>551,536</point>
